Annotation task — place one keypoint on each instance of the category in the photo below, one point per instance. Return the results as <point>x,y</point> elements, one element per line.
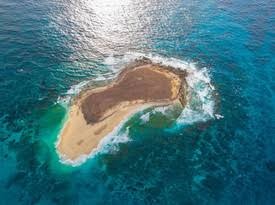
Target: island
<point>96,112</point>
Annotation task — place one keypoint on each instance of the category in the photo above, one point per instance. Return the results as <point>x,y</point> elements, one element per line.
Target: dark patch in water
<point>270,165</point>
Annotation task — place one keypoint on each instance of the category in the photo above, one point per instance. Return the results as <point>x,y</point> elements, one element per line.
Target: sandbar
<point>98,111</point>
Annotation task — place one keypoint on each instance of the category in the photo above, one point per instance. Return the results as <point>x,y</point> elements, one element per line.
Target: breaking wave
<point>200,103</point>
<point>73,91</point>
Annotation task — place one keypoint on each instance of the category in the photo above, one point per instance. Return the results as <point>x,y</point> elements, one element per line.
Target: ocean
<point>221,148</point>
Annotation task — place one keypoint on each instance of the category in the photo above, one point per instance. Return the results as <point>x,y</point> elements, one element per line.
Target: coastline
<point>83,157</point>
<point>73,149</point>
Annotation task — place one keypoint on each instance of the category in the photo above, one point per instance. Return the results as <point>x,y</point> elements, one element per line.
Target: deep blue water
<point>46,47</point>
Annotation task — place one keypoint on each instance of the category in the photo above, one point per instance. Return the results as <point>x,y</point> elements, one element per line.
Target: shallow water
<point>220,150</point>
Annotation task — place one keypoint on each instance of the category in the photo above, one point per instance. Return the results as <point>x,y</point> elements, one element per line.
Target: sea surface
<point>219,150</point>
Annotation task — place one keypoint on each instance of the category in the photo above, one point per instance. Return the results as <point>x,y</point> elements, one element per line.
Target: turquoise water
<point>219,151</point>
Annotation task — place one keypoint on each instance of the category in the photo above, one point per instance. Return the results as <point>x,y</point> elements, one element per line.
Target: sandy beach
<point>97,112</point>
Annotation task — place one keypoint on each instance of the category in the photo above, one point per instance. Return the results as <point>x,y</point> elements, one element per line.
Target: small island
<point>96,112</point>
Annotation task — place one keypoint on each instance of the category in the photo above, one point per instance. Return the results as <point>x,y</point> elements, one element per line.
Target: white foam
<point>163,110</point>
<point>115,64</point>
<point>145,117</point>
<point>201,104</point>
<point>110,60</point>
<point>100,78</point>
<point>218,116</point>
<point>73,91</point>
<point>109,144</point>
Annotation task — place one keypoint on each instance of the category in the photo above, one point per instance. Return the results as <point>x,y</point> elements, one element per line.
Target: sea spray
<point>145,117</point>
<point>73,91</point>
<point>108,144</point>
<point>200,103</point>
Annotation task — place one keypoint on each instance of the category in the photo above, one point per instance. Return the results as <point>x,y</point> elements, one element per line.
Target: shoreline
<point>80,137</point>
<point>82,158</point>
